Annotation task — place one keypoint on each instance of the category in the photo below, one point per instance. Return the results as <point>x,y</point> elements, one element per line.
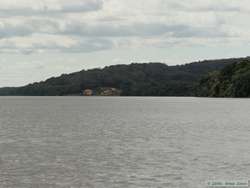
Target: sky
<point>44,38</point>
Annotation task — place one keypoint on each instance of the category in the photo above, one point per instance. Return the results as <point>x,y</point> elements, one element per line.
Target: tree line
<point>136,79</point>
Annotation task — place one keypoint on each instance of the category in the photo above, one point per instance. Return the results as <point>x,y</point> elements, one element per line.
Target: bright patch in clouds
<point>127,30</point>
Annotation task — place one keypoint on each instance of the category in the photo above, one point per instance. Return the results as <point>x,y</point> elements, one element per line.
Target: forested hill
<point>231,81</point>
<point>149,79</point>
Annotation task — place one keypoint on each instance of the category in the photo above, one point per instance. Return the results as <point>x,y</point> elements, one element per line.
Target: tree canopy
<point>231,81</point>
<point>136,79</point>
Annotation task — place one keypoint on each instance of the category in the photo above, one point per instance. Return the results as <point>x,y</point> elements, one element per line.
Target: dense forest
<point>136,79</point>
<point>231,81</point>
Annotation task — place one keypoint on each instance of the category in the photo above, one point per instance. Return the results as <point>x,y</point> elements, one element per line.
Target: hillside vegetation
<point>149,79</point>
<point>231,81</point>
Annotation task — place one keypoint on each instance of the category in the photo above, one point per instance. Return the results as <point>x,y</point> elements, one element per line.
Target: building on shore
<point>108,91</point>
<point>102,91</point>
<point>87,92</point>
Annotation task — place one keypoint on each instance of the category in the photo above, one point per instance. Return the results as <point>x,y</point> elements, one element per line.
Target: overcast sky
<point>43,38</point>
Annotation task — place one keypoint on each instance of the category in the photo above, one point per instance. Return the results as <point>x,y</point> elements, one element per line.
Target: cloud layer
<point>80,26</point>
<point>43,7</point>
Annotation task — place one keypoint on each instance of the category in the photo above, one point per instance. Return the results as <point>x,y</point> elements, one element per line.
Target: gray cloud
<point>116,30</point>
<point>48,8</point>
<point>9,30</point>
<point>157,20</point>
<point>89,45</point>
<point>194,6</point>
<point>90,37</point>
<point>57,44</point>
<point>107,29</point>
<point>25,27</point>
<point>87,5</point>
<point>139,29</point>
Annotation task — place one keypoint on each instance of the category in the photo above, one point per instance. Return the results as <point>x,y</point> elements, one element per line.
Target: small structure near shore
<point>88,92</point>
<point>102,91</point>
<point>109,91</point>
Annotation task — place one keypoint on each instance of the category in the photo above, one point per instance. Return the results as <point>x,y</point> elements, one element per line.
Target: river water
<point>122,142</point>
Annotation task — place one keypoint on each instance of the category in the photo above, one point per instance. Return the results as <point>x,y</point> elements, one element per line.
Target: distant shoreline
<point>136,79</point>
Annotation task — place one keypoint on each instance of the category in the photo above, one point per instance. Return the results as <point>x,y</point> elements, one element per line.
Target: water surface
<point>112,142</point>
